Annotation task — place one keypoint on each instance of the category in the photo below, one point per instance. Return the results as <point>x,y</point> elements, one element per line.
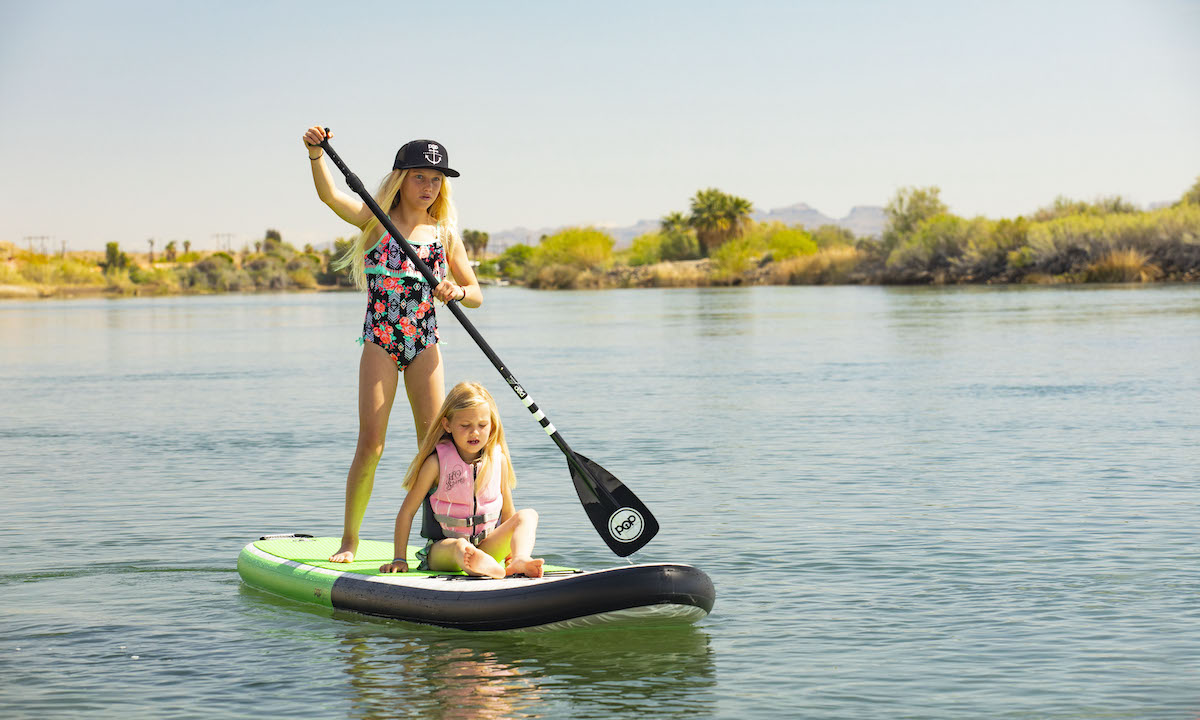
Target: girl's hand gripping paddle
<point>618,515</point>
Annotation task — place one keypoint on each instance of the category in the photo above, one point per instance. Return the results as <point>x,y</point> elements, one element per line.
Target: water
<point>914,503</point>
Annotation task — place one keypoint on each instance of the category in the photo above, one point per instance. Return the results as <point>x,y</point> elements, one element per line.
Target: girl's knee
<point>528,516</point>
<point>369,449</point>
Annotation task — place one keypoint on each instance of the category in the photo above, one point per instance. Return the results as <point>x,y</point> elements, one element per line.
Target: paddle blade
<point>618,515</point>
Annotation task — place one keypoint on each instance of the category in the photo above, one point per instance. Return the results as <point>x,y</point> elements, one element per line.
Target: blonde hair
<point>388,197</point>
<point>462,396</point>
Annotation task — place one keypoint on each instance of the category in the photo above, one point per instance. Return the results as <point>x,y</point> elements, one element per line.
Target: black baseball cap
<point>424,154</point>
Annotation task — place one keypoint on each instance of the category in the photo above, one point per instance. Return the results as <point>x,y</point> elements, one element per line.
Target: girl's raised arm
<point>350,209</point>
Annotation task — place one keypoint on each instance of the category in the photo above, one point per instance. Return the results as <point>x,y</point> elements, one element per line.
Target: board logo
<point>626,524</point>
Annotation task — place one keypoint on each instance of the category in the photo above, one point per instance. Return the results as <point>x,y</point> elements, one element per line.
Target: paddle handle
<point>357,186</point>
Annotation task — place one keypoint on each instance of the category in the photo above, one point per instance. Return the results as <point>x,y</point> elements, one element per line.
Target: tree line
<point>272,264</point>
<point>1106,240</point>
<point>716,242</point>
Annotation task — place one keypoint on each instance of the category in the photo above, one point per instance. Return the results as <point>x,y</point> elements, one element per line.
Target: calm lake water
<point>914,503</point>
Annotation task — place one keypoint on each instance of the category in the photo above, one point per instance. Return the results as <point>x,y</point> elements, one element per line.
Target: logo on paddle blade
<point>626,524</point>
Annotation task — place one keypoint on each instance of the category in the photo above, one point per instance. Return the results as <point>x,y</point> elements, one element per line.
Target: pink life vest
<point>456,507</point>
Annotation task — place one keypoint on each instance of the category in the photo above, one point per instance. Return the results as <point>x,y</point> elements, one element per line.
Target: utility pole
<point>40,239</point>
<point>227,237</point>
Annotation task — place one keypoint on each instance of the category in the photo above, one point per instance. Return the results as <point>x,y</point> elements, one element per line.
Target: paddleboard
<point>296,566</point>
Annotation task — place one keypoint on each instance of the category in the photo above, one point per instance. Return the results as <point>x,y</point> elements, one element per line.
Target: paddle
<point>618,515</point>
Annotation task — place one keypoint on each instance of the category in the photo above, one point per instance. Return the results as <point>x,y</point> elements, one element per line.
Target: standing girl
<point>462,478</point>
<point>400,332</point>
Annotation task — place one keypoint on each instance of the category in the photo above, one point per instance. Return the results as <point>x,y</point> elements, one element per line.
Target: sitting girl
<point>462,478</point>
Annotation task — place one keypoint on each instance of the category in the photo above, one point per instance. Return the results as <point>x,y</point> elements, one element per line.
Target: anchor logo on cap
<point>433,155</point>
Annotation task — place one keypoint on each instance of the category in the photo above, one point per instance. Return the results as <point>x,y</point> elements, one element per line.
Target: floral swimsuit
<point>400,316</point>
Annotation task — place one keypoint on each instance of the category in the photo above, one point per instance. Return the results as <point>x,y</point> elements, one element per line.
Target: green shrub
<point>162,281</point>
<point>989,251</point>
<point>733,260</point>
<point>785,242</point>
<point>828,236</point>
<point>118,280</point>
<point>1192,196</point>
<point>72,271</point>
<point>489,268</point>
<point>37,270</point>
<point>11,275</point>
<point>583,248</point>
<point>935,243</point>
<point>114,259</point>
<point>268,272</point>
<point>215,273</point>
<point>514,260</point>
<point>646,249</point>
<point>908,210</point>
<point>1065,207</point>
<point>1169,237</point>
<point>139,275</point>
<point>677,243</point>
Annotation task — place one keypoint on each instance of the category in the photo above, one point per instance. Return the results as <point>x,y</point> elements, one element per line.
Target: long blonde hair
<point>462,396</point>
<point>388,197</point>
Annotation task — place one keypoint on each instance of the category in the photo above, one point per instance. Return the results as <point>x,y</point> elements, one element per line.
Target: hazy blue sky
<point>126,120</point>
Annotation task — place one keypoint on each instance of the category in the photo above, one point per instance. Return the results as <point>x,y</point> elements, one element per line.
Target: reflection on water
<point>713,314</point>
<point>431,680</point>
<point>593,672</point>
<point>397,668</point>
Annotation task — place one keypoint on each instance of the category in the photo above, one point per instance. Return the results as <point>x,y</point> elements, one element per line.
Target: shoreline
<point>72,292</point>
<point>618,279</point>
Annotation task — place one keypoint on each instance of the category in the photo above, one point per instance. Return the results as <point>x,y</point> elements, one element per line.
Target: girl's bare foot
<point>477,562</point>
<point>345,553</point>
<point>529,567</point>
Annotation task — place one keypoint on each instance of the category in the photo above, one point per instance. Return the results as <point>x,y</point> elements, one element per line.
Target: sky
<point>127,120</point>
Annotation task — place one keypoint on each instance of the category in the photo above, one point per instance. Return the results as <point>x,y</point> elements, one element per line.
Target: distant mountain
<point>863,220</point>
<point>798,214</point>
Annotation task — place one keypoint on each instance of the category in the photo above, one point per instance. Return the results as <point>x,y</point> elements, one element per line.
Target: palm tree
<point>738,212</point>
<point>675,222</point>
<point>718,218</point>
<point>476,241</point>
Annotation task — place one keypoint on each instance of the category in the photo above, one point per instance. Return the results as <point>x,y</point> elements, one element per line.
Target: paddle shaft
<point>357,186</point>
